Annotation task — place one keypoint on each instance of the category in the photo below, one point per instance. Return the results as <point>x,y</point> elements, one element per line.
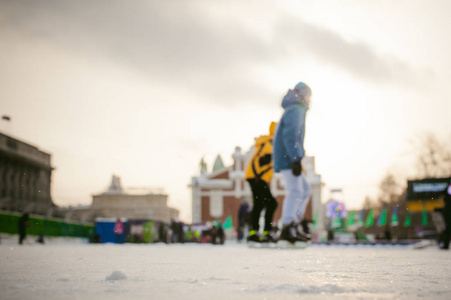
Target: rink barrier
<point>44,226</point>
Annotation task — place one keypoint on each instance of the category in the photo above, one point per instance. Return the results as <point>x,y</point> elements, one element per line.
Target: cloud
<point>356,58</point>
<point>181,44</point>
<point>175,42</point>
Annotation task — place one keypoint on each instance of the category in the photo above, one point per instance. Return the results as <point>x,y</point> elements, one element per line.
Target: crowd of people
<point>178,232</point>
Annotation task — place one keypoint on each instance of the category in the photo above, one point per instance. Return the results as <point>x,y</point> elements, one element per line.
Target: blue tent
<point>105,229</point>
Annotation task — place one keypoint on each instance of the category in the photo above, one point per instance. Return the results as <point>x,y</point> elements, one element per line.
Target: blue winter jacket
<point>290,132</point>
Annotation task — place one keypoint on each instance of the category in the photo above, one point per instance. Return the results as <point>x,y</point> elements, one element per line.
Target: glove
<point>296,167</point>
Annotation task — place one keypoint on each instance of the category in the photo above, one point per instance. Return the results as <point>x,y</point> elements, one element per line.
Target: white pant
<point>296,199</point>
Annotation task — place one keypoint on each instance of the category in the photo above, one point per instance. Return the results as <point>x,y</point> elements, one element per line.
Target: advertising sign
<point>427,189</point>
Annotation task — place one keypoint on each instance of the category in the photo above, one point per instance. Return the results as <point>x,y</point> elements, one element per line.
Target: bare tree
<point>433,156</point>
<point>389,190</point>
<point>368,203</point>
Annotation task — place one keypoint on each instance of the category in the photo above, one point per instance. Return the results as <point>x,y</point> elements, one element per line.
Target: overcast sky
<point>145,89</point>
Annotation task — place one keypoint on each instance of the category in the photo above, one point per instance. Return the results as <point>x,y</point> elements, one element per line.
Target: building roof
<point>218,165</point>
<point>116,188</point>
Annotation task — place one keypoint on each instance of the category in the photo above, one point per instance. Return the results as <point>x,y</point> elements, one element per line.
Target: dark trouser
<point>262,199</point>
<point>240,232</point>
<point>447,217</point>
<point>22,236</point>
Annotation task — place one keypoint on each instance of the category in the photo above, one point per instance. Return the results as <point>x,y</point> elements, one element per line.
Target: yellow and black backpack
<point>260,166</point>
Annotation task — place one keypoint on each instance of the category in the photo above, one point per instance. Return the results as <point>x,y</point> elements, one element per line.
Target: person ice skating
<point>447,217</point>
<point>22,227</point>
<point>40,239</point>
<point>180,231</point>
<point>118,230</point>
<point>288,154</point>
<point>259,172</point>
<point>217,232</point>
<point>177,231</point>
<point>221,234</point>
<point>162,233</point>
<point>243,213</point>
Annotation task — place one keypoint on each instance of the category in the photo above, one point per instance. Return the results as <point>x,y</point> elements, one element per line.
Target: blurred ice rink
<point>70,269</point>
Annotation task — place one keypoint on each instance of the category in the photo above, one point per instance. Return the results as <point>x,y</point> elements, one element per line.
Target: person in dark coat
<point>217,232</point>
<point>162,233</point>
<point>22,227</point>
<point>40,239</point>
<point>177,231</point>
<point>180,232</point>
<point>174,230</point>
<point>221,234</point>
<point>243,213</point>
<point>447,217</point>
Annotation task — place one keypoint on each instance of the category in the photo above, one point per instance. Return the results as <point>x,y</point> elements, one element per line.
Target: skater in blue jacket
<point>288,154</point>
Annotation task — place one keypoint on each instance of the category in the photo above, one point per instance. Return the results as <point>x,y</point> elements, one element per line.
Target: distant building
<point>217,195</point>
<point>25,177</point>
<point>132,203</point>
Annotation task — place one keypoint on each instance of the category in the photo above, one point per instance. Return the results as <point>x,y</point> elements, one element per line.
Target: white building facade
<point>117,202</point>
<point>218,194</point>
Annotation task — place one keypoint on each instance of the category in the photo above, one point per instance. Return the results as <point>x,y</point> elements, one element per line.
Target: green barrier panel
<point>8,223</point>
<point>147,232</point>
<point>46,227</point>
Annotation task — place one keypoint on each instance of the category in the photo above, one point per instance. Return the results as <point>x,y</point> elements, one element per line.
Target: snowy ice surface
<point>233,271</point>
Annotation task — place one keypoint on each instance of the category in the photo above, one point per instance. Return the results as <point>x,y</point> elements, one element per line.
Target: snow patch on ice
<point>116,275</point>
<point>189,281</point>
<point>323,289</point>
<point>216,278</point>
<point>286,287</point>
<point>299,289</point>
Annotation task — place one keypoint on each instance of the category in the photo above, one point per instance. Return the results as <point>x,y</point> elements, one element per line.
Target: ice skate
<point>288,234</point>
<point>301,235</point>
<point>268,237</point>
<point>265,240</point>
<point>291,238</point>
<point>255,237</point>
